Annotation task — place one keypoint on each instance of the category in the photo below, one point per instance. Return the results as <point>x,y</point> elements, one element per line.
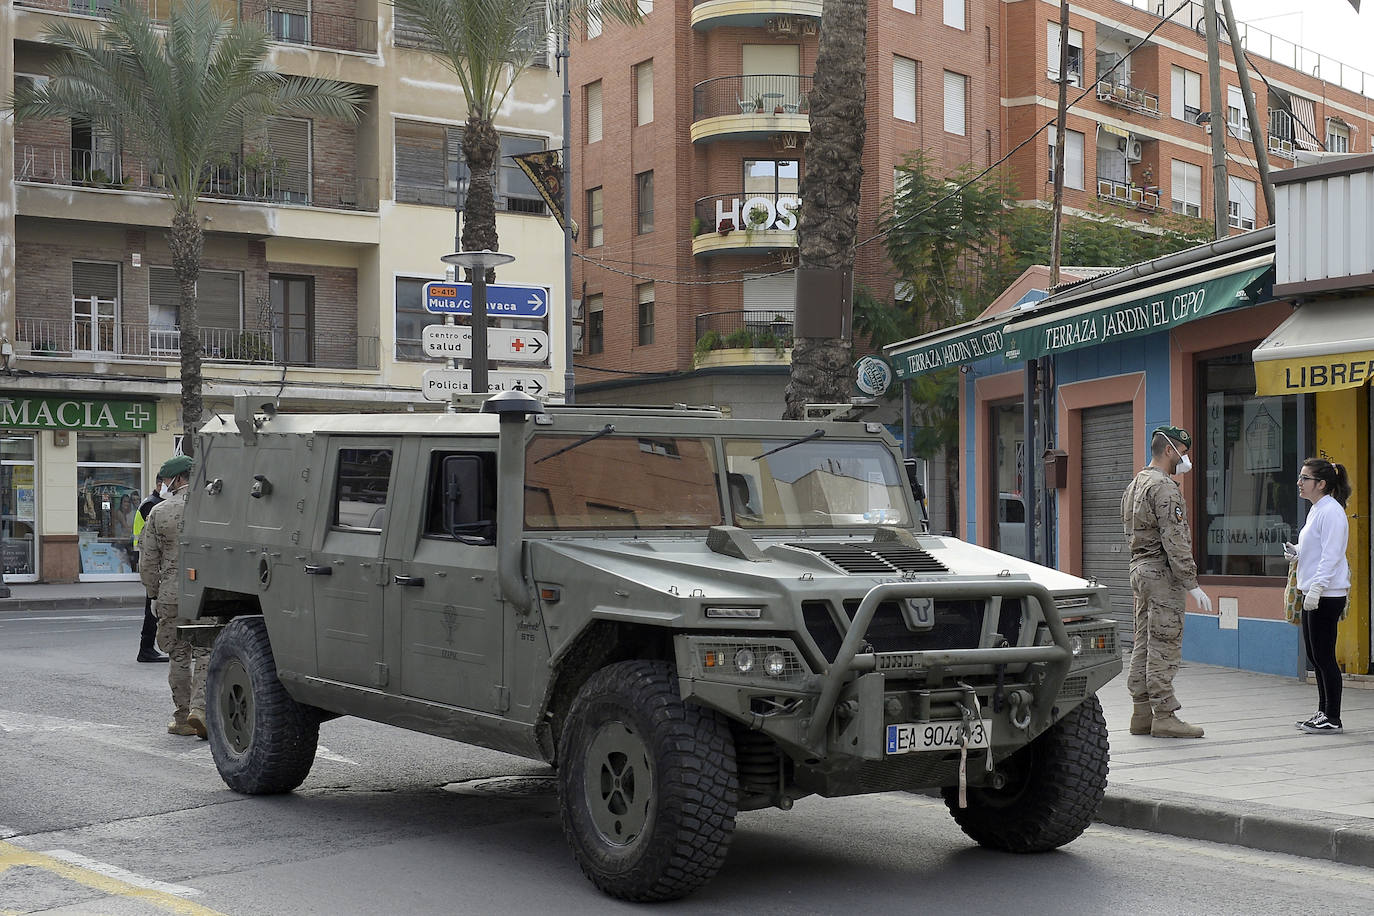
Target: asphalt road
<point>102,812</point>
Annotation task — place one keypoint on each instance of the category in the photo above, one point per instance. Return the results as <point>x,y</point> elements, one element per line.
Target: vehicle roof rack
<point>853,409</point>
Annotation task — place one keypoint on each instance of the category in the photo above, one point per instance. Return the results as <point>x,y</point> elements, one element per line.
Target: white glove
<point>1290,551</point>
<point>1310,599</point>
<point>1202,600</point>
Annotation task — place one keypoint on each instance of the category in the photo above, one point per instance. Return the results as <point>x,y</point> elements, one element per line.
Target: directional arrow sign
<point>508,301</point>
<point>442,384</point>
<point>506,344</point>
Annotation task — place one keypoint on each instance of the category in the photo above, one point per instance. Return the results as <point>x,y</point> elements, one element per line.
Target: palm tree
<point>828,225</point>
<point>488,44</point>
<point>182,93</point>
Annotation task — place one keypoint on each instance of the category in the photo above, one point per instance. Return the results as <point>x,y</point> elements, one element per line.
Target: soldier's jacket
<point>1156,523</point>
<point>159,551</point>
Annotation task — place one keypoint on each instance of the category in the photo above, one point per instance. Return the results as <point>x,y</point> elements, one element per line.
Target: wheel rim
<point>618,783</point>
<point>236,706</point>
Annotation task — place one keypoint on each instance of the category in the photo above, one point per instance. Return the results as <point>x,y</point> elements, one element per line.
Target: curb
<point>14,605</point>
<point>1348,840</point>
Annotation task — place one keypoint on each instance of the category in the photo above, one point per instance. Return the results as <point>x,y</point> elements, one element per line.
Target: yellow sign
<point>1314,373</point>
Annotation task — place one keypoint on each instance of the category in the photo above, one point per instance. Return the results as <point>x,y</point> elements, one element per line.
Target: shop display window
<point>18,509</point>
<point>108,470</point>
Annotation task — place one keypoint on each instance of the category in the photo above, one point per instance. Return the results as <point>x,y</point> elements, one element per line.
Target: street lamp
<point>478,263</point>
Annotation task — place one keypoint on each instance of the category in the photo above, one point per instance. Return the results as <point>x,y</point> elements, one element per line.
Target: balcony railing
<point>768,93</point>
<point>63,165</point>
<point>1128,195</point>
<point>1129,97</point>
<point>744,329</point>
<point>107,339</point>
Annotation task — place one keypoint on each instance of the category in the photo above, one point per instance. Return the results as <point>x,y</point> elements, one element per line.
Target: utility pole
<point>1259,133</point>
<point>1061,140</point>
<point>564,41</point>
<point>1217,120</point>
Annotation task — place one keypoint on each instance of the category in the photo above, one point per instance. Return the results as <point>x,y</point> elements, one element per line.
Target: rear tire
<point>646,783</point>
<point>1053,790</point>
<point>263,741</point>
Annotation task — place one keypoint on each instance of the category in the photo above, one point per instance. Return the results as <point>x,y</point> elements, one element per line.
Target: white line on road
<point>83,618</point>
<point>119,874</point>
<point>324,753</point>
<point>14,721</point>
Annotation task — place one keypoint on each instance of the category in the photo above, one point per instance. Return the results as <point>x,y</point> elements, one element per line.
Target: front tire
<point>263,741</point>
<point>647,784</point>
<point>1053,788</point>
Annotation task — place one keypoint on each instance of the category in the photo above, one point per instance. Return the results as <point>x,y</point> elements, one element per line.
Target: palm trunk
<point>821,367</point>
<point>481,146</point>
<point>187,242</point>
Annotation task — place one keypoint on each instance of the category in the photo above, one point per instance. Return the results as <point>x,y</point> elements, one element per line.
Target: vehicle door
<point>346,565</point>
<point>452,619</point>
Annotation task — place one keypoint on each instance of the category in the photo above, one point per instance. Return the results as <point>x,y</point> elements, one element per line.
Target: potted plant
<point>696,226</point>
<point>739,339</point>
<point>758,102</point>
<point>777,109</point>
<point>756,218</point>
<point>706,343</point>
<point>156,176</point>
<point>803,104</point>
<point>725,227</point>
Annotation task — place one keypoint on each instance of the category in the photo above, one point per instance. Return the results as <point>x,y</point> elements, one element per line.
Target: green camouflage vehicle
<point>689,616</point>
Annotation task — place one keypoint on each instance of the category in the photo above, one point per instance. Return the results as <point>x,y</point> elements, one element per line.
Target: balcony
<point>782,18</point>
<point>752,107</point>
<point>1132,196</point>
<point>743,337</point>
<point>742,222</point>
<point>106,339</point>
<point>287,26</point>
<point>275,183</point>
<point>1282,146</point>
<point>1128,97</point>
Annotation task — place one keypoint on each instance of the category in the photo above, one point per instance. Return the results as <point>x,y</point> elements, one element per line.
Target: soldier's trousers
<point>187,664</point>
<point>1158,637</point>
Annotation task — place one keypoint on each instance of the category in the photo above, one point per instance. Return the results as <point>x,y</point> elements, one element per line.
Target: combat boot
<point>1141,719</point>
<point>1171,726</point>
<point>196,722</point>
<point>180,728</point>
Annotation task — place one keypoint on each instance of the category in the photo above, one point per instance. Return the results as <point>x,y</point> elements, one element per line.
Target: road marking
<point>107,879</point>
<point>324,753</point>
<point>83,618</point>
<point>15,721</point>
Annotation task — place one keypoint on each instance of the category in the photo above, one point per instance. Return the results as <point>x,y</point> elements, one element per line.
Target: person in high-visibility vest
<point>147,645</point>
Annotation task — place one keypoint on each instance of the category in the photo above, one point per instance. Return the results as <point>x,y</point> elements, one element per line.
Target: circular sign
<point>874,376</point>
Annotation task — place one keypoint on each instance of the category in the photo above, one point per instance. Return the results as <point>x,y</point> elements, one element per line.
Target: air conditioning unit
<point>1133,150</point>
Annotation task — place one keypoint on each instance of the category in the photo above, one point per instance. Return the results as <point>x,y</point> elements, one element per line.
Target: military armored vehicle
<point>689,616</point>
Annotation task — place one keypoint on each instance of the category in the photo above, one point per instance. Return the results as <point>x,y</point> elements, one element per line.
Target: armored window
<point>362,482</point>
<point>484,508</point>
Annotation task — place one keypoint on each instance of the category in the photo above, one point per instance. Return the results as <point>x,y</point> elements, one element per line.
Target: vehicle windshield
<point>621,482</point>
<point>824,483</point>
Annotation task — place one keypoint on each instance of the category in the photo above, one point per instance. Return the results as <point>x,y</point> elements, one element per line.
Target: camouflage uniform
<point>158,567</point>
<point>1162,569</point>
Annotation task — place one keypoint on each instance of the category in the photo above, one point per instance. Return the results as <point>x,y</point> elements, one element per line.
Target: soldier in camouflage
<point>1155,520</point>
<point>159,569</point>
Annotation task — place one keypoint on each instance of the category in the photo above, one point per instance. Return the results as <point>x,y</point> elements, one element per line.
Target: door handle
<point>319,570</point>
<point>408,580</point>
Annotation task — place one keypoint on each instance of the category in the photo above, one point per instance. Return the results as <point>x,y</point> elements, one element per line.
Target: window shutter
<point>955,87</point>
<point>164,297</point>
<point>219,299</point>
<point>594,112</point>
<point>775,294</point>
<point>93,280</point>
<point>954,13</point>
<point>644,92</point>
<point>904,89</point>
<point>420,150</point>
<point>289,139</point>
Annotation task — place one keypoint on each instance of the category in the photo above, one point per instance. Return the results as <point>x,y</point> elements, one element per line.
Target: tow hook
<point>1020,709</point>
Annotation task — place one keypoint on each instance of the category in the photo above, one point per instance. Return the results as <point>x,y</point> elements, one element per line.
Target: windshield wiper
<point>603,431</point>
<point>816,435</point>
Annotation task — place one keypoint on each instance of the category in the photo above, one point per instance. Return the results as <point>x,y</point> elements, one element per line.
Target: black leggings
<point>1319,638</point>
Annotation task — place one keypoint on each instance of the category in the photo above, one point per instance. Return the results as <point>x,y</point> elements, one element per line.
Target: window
<point>1185,97</point>
<point>535,34</point>
<point>412,319</point>
<point>95,306</point>
<point>646,7</point>
<point>594,219</point>
<point>1236,120</point>
<point>361,484</point>
<point>1075,55</point>
<point>293,318</point>
<point>906,6</point>
<point>1240,202</point>
<point>644,293</point>
<point>1185,184</point>
<point>1073,158</point>
<point>1247,458</point>
<point>109,469</point>
<point>644,92</point>
<point>593,19</point>
<point>771,177</point>
<point>956,90</point>
<point>17,509</point>
<point>904,89</point>
<point>593,92</point>
<point>407,31</point>
<point>515,193</point>
<point>427,157</point>
<point>644,202</point>
<point>477,511</point>
<point>596,325</point>
<point>288,142</point>
<point>954,13</point>
<point>219,304</point>
<point>1337,136</point>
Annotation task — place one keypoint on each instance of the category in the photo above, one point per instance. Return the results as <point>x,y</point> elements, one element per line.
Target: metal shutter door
<point>1108,447</point>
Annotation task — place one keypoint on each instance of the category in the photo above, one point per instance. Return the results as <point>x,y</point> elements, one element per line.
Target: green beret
<point>174,467</point>
<point>1177,433</point>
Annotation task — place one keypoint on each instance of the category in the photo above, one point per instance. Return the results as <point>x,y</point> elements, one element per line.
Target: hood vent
<point>876,558</point>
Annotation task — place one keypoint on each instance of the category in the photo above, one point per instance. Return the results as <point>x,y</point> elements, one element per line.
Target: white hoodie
<point>1321,549</point>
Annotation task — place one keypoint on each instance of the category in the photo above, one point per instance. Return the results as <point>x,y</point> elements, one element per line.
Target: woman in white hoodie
<point>1324,581</point>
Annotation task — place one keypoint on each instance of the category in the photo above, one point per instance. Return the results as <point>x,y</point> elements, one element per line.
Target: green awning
<point>956,346</point>
<point>1135,314</point>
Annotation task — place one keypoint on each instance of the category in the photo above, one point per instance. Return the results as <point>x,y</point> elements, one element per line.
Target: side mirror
<point>463,500</point>
<point>913,477</point>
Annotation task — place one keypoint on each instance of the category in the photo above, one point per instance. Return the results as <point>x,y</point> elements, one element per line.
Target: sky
<point>1331,27</point>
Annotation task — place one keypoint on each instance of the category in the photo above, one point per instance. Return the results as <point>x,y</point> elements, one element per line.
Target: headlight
<point>1076,645</point>
<point>775,664</point>
<point>744,661</point>
<point>748,613</point>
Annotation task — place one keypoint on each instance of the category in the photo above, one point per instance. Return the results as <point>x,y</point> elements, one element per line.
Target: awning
<point>956,346</point>
<point>1137,313</point>
<point>1323,346</point>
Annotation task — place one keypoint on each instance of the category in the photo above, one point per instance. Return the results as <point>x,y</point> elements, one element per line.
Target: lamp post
<point>564,38</point>
<point>463,178</point>
<point>6,487</point>
<point>477,263</point>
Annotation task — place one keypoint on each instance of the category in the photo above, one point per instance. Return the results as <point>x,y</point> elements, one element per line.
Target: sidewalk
<point>1253,781</point>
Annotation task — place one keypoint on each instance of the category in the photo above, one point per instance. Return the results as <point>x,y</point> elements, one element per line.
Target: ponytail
<point>1342,490</point>
<point>1333,475</point>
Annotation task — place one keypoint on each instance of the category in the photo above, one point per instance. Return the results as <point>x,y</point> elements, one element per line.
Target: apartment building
<point>319,238</point>
<point>689,135</point>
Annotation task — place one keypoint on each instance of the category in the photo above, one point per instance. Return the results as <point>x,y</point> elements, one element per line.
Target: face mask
<point>164,492</point>
<point>1185,464</point>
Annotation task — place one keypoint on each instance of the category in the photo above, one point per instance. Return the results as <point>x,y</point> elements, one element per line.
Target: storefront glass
<point>109,467</point>
<point>1008,430</point>
<point>1247,457</point>
<point>18,508</point>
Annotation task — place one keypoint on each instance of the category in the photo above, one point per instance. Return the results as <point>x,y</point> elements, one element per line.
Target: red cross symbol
<point>517,344</point>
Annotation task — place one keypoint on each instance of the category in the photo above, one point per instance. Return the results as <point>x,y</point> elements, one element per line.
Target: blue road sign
<point>503,301</point>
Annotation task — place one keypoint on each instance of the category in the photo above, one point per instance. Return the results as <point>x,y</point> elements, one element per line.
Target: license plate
<point>936,736</point>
